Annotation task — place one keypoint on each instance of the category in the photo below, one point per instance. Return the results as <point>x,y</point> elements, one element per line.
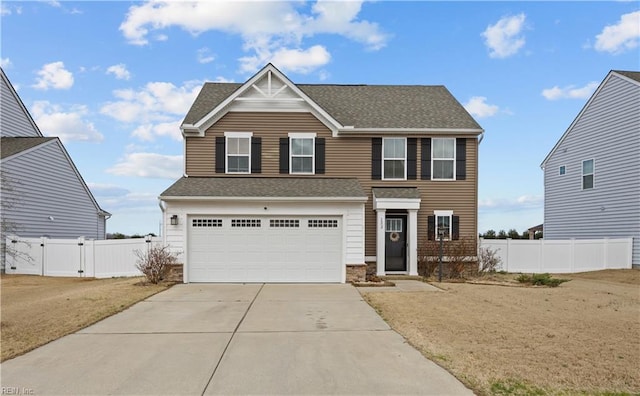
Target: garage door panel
<point>289,249</point>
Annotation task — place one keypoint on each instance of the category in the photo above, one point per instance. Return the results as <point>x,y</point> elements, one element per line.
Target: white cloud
<point>477,106</point>
<point>8,10</point>
<point>67,124</point>
<point>119,71</point>
<point>156,101</point>
<point>151,165</point>
<point>54,75</point>
<point>5,63</point>
<point>570,92</point>
<point>504,38</point>
<point>511,204</point>
<point>222,79</point>
<point>204,55</point>
<point>267,28</point>
<point>620,37</point>
<point>148,132</point>
<point>296,60</point>
<point>107,190</point>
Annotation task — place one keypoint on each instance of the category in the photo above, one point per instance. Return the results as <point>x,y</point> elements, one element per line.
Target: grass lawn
<point>36,310</point>
<point>582,337</point>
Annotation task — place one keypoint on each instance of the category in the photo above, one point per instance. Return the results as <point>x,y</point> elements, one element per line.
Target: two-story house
<point>592,174</point>
<point>43,194</point>
<point>289,182</point>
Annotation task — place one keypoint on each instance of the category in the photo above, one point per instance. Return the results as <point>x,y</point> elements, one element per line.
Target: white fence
<point>561,256</point>
<point>76,257</point>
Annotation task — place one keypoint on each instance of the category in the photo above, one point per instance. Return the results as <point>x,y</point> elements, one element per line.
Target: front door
<point>395,243</point>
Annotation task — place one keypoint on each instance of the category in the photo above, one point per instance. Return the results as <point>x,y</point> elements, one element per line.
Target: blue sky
<point>114,79</point>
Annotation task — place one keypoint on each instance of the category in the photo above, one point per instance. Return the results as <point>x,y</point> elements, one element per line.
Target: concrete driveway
<point>202,339</point>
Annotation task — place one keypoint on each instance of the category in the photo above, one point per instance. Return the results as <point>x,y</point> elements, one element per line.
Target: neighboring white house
<point>592,175</point>
<point>43,193</point>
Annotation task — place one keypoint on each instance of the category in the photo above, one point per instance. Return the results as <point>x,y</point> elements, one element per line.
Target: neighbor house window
<point>238,152</point>
<point>394,158</point>
<point>588,170</point>
<point>563,170</point>
<point>302,152</point>
<point>443,224</point>
<point>443,158</point>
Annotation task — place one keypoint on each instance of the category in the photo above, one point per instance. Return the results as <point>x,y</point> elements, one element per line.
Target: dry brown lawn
<point>36,310</point>
<point>582,337</point>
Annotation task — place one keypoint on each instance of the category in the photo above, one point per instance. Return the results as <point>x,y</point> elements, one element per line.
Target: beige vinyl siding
<point>345,157</point>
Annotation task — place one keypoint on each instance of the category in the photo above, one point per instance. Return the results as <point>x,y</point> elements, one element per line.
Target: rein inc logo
<point>16,390</point>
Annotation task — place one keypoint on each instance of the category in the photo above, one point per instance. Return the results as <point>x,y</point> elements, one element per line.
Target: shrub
<point>540,280</point>
<point>458,257</point>
<point>153,263</point>
<point>488,259</point>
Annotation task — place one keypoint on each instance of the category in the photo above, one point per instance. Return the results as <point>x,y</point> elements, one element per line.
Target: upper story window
<point>302,158</point>
<point>394,158</point>
<point>588,172</point>
<point>443,158</point>
<point>238,152</point>
<point>562,170</point>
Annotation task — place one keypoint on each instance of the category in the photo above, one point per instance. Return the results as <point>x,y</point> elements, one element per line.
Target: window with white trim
<point>562,170</point>
<point>238,152</point>
<point>394,225</point>
<point>394,158</point>
<point>302,153</point>
<point>443,158</point>
<point>588,173</point>
<point>443,224</point>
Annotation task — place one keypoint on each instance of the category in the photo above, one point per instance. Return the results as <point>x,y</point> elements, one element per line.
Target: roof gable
<point>15,119</point>
<point>267,90</point>
<point>343,109</point>
<point>628,76</point>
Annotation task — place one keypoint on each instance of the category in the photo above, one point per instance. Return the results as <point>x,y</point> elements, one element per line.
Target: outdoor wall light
<point>174,220</point>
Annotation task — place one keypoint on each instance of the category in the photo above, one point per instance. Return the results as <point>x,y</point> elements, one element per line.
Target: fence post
<point>81,263</point>
<point>43,241</point>
<point>572,253</point>
<point>508,251</point>
<point>541,256</point>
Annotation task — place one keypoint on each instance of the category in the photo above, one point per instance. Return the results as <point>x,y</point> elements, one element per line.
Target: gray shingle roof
<point>396,192</point>
<point>634,75</point>
<point>265,187</point>
<point>14,145</point>
<point>364,106</point>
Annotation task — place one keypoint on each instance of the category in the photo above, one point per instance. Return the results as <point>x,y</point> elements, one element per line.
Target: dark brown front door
<point>395,243</point>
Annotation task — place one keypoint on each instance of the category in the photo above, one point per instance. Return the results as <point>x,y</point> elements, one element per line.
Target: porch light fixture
<point>174,220</point>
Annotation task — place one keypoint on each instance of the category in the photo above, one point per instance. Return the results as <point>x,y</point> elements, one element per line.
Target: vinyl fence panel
<point>77,257</point>
<point>560,256</point>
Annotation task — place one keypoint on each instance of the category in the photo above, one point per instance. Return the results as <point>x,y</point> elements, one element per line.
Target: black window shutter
<point>426,159</point>
<point>284,155</point>
<point>455,227</point>
<point>220,154</point>
<point>256,155</point>
<point>461,159</point>
<point>376,158</point>
<point>412,156</point>
<point>319,156</point>
<point>431,228</point>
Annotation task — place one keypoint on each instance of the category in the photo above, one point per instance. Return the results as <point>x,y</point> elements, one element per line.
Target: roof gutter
<point>278,199</point>
<point>408,131</point>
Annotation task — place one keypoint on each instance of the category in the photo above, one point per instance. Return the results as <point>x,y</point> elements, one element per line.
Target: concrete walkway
<point>234,339</point>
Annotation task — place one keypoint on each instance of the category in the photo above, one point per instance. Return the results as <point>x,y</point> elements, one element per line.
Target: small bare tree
<point>488,259</point>
<point>153,263</point>
<point>8,201</point>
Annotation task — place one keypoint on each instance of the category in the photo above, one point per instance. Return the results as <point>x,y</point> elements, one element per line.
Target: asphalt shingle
<point>364,106</point>
<point>265,187</point>
<point>14,145</point>
<point>396,192</point>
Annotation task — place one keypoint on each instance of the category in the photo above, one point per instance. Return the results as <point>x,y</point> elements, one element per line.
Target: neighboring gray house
<point>592,175</point>
<point>43,193</point>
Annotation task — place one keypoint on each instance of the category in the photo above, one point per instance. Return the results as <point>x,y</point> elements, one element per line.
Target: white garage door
<point>264,249</point>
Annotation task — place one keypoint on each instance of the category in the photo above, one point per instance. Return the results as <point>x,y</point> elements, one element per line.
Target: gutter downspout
<point>163,208</point>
